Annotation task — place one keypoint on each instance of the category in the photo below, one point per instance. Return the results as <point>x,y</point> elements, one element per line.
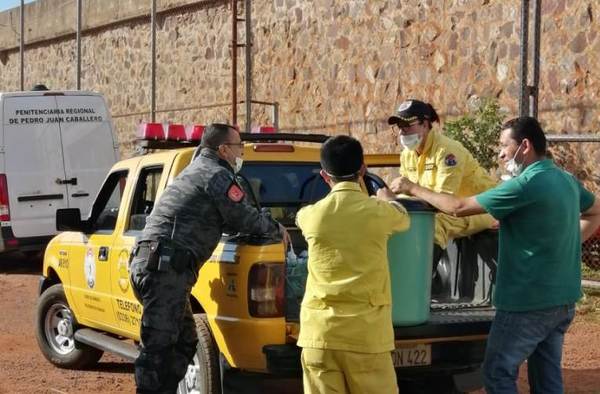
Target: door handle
<point>72,181</point>
<point>103,253</point>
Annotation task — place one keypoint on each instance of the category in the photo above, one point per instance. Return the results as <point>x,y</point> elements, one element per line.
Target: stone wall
<point>335,66</point>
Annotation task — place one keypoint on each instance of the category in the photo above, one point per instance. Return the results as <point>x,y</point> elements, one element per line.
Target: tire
<point>203,374</point>
<point>54,330</point>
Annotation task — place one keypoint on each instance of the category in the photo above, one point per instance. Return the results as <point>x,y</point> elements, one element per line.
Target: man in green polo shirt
<point>544,215</point>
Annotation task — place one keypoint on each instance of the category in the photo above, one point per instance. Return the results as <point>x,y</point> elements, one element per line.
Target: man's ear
<point>362,171</point>
<point>326,178</point>
<point>221,152</point>
<point>527,146</point>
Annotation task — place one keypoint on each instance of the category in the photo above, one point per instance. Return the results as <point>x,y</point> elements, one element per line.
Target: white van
<point>56,147</point>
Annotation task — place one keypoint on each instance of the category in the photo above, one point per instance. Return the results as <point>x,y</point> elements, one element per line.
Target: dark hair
<point>342,157</point>
<point>527,127</point>
<point>433,116</point>
<point>215,134</point>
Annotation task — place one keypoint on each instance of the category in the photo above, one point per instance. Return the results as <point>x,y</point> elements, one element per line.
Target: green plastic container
<point>410,254</point>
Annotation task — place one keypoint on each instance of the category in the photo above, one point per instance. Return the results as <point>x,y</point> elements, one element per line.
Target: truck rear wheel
<point>203,375</point>
<point>55,329</point>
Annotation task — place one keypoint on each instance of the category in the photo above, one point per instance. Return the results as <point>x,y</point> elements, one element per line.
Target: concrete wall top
<point>48,19</point>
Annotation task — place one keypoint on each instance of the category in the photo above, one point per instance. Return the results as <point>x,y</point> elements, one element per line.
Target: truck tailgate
<point>450,322</point>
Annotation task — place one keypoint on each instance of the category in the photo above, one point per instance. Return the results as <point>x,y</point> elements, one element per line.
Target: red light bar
<point>176,132</point>
<point>151,131</point>
<point>197,131</point>
<point>273,148</point>
<point>264,129</point>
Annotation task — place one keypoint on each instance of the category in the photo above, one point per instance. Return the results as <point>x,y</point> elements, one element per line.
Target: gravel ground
<point>23,369</point>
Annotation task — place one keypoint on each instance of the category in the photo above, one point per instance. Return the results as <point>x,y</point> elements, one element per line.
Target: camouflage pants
<point>168,330</point>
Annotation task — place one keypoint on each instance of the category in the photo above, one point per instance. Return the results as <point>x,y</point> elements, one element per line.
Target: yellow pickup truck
<point>245,320</point>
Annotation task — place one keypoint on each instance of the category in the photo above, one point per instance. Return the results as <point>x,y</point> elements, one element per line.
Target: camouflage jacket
<point>200,203</point>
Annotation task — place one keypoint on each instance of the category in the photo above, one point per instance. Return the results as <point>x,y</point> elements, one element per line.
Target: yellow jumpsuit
<point>446,166</point>
<point>345,320</point>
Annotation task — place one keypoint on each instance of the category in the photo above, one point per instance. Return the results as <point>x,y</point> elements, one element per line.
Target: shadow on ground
<point>18,263</point>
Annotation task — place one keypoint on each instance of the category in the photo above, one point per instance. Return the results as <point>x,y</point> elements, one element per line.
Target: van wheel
<point>54,330</point>
<point>202,376</point>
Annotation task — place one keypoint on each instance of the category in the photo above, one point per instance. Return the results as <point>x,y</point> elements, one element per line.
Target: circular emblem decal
<point>89,268</point>
<point>123,266</point>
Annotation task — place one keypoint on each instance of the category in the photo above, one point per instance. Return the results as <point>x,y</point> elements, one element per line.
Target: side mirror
<point>69,219</point>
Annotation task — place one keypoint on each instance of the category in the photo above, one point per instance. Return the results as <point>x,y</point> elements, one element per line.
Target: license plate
<point>412,356</point>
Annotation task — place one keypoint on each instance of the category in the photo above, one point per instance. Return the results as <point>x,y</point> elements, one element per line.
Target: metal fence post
<point>78,44</point>
<point>523,93</point>
<point>248,49</point>
<point>153,62</point>
<point>22,44</point>
<point>535,87</point>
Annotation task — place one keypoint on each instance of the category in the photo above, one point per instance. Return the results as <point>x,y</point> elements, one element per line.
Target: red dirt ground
<point>23,369</point>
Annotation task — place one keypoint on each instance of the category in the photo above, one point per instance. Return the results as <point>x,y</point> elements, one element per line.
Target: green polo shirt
<point>539,258</point>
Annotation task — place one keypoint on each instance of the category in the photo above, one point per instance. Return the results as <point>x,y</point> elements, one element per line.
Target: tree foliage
<point>479,132</point>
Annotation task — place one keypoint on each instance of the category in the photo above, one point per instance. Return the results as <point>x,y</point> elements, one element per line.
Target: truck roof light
<point>264,129</point>
<point>273,148</point>
<point>176,132</point>
<point>151,131</point>
<point>196,132</point>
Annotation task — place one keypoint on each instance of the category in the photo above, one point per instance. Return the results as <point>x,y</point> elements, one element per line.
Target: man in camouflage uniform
<point>180,235</point>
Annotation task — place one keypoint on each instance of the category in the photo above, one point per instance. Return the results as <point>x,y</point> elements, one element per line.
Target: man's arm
<point>447,203</point>
<point>590,220</point>
<point>238,214</point>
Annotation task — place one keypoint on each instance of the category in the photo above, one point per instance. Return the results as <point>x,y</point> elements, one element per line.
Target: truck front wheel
<point>203,375</point>
<point>55,329</point>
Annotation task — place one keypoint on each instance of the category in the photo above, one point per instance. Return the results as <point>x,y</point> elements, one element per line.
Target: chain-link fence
<point>590,252</point>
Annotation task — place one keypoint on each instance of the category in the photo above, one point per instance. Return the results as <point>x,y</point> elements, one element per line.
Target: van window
<point>106,208</point>
<point>144,197</point>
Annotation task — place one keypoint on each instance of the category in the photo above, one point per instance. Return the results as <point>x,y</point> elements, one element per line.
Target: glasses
<point>238,144</point>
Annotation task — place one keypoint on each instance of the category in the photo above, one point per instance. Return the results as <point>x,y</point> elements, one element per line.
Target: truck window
<point>106,208</point>
<point>144,197</point>
<point>284,188</point>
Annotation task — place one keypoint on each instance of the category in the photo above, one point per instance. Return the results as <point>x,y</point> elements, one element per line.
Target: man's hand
<point>285,237</point>
<point>401,185</point>
<point>385,194</point>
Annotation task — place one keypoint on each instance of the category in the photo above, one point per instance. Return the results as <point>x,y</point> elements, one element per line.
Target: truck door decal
<point>123,268</point>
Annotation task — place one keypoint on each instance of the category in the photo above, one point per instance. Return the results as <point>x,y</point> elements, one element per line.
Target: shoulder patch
<point>235,193</point>
<point>450,160</point>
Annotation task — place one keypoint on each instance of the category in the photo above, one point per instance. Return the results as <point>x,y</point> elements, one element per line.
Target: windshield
<point>285,184</point>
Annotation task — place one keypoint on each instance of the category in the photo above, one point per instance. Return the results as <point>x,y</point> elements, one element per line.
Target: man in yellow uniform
<point>345,320</point>
<point>436,162</point>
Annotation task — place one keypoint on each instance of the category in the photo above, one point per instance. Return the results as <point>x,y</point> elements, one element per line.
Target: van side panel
<point>88,147</point>
<point>33,163</point>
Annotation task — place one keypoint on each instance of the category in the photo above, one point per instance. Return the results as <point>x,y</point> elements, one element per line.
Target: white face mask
<point>411,141</point>
<point>514,168</point>
<point>239,162</point>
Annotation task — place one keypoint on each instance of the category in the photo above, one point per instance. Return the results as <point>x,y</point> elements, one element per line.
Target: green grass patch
<point>588,308</point>
<point>589,274</point>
